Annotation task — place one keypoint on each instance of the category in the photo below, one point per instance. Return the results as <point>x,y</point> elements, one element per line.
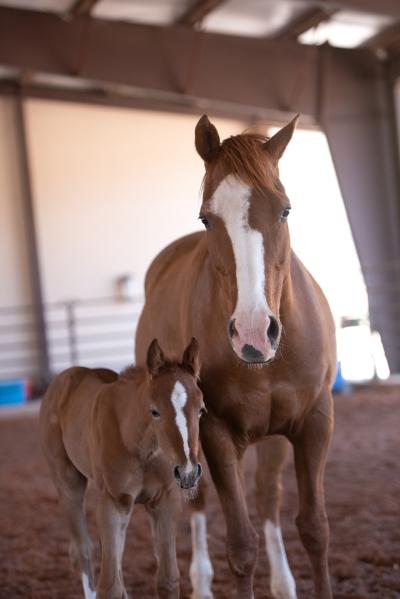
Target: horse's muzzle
<point>187,480</point>
<point>255,337</point>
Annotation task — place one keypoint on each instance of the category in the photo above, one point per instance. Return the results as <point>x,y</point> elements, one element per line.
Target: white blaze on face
<point>231,202</point>
<point>178,399</point>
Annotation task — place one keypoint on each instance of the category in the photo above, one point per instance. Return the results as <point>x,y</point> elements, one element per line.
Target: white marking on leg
<point>89,594</point>
<point>231,202</point>
<point>178,399</point>
<point>201,570</point>
<point>283,585</point>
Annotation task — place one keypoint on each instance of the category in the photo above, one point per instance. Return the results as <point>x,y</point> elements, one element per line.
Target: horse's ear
<point>191,358</point>
<point>155,358</point>
<point>278,142</point>
<point>206,139</point>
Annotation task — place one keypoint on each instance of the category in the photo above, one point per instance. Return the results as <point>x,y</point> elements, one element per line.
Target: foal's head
<point>244,210</point>
<point>176,405</point>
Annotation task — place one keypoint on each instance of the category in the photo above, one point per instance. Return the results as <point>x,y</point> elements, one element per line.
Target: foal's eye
<point>155,413</point>
<point>205,221</point>
<point>285,213</point>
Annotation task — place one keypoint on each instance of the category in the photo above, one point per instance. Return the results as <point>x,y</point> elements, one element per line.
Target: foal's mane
<point>244,156</point>
<point>132,371</point>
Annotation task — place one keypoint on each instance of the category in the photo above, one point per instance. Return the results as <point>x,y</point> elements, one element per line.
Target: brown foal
<point>267,343</point>
<point>135,435</point>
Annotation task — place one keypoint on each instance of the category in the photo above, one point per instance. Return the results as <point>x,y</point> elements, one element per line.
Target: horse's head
<point>176,404</point>
<point>244,210</point>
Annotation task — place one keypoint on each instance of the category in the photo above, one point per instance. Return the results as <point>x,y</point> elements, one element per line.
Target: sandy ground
<point>363,494</point>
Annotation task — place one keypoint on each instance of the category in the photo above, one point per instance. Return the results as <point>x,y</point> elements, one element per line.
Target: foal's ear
<point>278,142</point>
<point>206,139</point>
<point>155,358</point>
<point>191,358</point>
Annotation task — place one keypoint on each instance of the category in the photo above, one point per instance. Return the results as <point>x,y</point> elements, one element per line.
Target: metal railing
<point>94,332</point>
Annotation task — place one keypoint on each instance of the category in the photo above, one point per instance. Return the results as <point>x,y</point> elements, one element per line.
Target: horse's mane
<point>131,372</point>
<point>244,156</point>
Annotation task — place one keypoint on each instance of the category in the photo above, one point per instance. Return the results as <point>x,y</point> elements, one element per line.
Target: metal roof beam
<point>228,70</point>
<point>80,8</point>
<point>308,20</point>
<point>387,40</point>
<point>196,13</point>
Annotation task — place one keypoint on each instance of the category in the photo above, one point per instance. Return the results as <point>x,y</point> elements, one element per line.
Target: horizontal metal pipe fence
<point>92,332</point>
<point>101,331</point>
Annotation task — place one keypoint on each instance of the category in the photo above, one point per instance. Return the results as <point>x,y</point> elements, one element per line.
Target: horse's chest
<point>286,407</point>
<point>258,410</point>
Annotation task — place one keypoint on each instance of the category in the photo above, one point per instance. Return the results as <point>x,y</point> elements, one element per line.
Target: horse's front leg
<point>163,519</point>
<point>113,518</point>
<point>224,460</point>
<point>201,570</point>
<point>310,451</point>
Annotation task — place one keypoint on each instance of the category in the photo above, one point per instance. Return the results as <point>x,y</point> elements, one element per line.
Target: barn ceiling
<point>346,23</point>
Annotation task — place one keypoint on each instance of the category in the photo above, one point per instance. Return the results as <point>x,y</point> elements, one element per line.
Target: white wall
<point>112,187</point>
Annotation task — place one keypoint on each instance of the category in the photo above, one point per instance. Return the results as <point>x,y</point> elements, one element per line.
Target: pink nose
<point>255,336</point>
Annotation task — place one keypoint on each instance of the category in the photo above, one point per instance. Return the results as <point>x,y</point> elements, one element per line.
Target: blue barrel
<point>340,384</point>
<point>13,392</point>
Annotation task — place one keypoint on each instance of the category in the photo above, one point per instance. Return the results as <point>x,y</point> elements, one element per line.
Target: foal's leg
<point>310,450</point>
<point>271,459</point>
<point>71,487</point>
<point>81,549</point>
<point>201,570</point>
<point>163,519</point>
<point>113,518</point>
<point>224,460</point>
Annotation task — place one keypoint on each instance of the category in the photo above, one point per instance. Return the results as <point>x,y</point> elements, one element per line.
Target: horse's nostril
<point>251,354</point>
<point>231,327</point>
<point>199,471</point>
<point>177,473</point>
<point>273,330</point>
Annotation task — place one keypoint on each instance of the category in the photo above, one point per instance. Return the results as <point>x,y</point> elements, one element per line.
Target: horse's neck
<point>133,414</point>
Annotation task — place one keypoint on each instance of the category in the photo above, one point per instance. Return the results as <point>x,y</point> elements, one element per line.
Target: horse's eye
<point>204,220</point>
<point>155,413</point>
<point>202,411</point>
<point>285,213</point>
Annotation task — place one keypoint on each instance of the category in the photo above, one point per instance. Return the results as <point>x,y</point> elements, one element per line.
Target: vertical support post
<point>358,118</point>
<point>72,335</point>
<point>31,242</point>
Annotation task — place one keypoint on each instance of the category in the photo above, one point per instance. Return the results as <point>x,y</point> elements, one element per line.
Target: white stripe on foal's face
<point>178,399</point>
<point>231,202</point>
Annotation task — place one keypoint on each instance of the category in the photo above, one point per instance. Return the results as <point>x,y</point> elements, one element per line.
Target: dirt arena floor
<point>363,502</point>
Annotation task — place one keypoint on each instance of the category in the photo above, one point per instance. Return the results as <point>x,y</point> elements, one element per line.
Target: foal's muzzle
<point>185,479</point>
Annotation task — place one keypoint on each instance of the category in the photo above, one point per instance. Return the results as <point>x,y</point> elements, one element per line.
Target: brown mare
<point>267,346</point>
<point>132,435</point>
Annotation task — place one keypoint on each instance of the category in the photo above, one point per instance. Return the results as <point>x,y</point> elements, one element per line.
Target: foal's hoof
<point>287,590</point>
